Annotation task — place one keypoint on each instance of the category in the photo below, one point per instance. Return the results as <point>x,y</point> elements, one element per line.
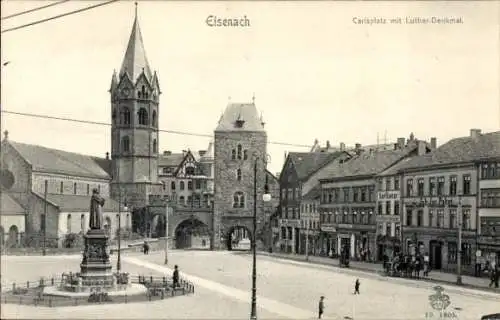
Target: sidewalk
<point>434,276</point>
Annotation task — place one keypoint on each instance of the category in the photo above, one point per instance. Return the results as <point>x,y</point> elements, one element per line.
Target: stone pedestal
<point>96,268</point>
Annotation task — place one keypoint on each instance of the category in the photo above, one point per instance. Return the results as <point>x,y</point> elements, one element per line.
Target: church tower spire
<point>134,131</point>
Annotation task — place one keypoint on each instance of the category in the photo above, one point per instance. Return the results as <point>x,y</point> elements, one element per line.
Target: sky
<point>315,73</point>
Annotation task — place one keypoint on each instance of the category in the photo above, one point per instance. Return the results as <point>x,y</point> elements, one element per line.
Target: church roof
<point>77,203</point>
<point>244,112</point>
<point>9,206</point>
<point>58,161</point>
<point>135,61</point>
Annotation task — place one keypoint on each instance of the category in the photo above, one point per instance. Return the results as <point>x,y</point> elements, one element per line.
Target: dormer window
<point>239,122</point>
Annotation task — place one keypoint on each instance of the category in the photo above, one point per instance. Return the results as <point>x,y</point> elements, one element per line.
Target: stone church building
<point>50,189</point>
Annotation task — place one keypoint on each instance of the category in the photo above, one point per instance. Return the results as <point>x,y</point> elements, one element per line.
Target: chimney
<point>342,146</point>
<point>433,142</point>
<point>6,135</point>
<point>421,148</point>
<point>107,155</point>
<point>202,153</point>
<point>474,133</point>
<point>327,144</point>
<point>401,143</point>
<point>167,152</point>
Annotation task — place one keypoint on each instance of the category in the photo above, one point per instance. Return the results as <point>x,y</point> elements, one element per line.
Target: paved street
<point>286,289</point>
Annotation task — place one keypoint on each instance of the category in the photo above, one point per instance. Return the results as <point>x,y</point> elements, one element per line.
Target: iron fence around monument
<point>31,292</point>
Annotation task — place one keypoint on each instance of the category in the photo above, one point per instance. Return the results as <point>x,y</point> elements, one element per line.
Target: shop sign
<point>345,226</point>
<point>388,195</point>
<point>388,218</point>
<point>328,229</point>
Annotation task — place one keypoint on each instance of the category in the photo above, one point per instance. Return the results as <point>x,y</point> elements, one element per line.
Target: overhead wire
<point>184,133</point>
<point>59,16</point>
<point>33,10</point>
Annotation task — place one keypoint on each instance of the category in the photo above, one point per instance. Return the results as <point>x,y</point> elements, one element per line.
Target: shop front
<point>359,241</point>
<point>328,241</point>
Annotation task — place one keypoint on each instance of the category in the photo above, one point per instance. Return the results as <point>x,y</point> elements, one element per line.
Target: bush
<point>35,240</point>
<point>73,240</point>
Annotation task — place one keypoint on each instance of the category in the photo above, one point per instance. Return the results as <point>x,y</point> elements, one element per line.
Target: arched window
<point>68,223</point>
<point>190,171</point>
<point>127,223</point>
<point>125,144</point>
<point>143,117</point>
<point>190,185</point>
<point>88,189</point>
<point>125,115</point>
<point>172,185</point>
<point>61,188</point>
<point>181,200</point>
<point>182,185</point>
<point>113,116</point>
<point>155,146</point>
<point>238,174</point>
<point>239,152</point>
<point>82,223</point>
<point>154,118</point>
<point>74,188</point>
<point>238,200</point>
<point>245,155</point>
<point>233,154</point>
<point>164,185</point>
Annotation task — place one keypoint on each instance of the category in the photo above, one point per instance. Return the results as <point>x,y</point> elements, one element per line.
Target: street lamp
<point>266,197</point>
<point>459,253</point>
<point>119,234</point>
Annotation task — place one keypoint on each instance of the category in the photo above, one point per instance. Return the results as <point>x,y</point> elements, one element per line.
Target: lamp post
<point>459,253</point>
<point>166,232</point>
<point>266,197</point>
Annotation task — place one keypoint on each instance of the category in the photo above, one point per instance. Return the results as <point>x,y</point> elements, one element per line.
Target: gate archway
<point>192,233</point>
<point>238,238</point>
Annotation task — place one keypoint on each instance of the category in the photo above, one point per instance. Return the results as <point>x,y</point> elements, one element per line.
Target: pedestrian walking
<point>175,276</point>
<point>145,247</point>
<point>321,306</point>
<point>356,286</point>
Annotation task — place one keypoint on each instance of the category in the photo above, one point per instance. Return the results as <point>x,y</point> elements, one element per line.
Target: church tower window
<point>125,116</point>
<point>125,144</point>
<point>245,155</point>
<point>61,188</point>
<point>155,146</point>
<point>238,174</point>
<point>239,152</point>
<point>233,154</point>
<point>154,119</point>
<point>143,116</point>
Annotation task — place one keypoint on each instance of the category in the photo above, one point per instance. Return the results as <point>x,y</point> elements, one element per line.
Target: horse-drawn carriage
<point>405,266</point>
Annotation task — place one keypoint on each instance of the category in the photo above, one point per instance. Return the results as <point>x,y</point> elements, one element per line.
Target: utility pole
<point>166,232</point>
<point>253,312</point>
<point>45,218</point>
<point>459,251</point>
<point>307,237</point>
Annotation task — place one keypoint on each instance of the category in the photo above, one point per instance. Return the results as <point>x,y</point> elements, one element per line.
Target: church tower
<point>135,95</point>
<point>240,139</point>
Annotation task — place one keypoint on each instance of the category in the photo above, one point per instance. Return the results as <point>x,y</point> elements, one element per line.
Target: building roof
<point>58,161</point>
<point>245,112</point>
<point>307,163</point>
<point>77,203</point>
<point>314,193</point>
<point>105,164</point>
<point>170,160</point>
<point>393,170</point>
<point>459,150</point>
<point>367,164</point>
<point>9,206</point>
<point>135,61</point>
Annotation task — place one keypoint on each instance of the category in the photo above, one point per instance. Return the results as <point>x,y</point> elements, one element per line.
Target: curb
<point>369,270</point>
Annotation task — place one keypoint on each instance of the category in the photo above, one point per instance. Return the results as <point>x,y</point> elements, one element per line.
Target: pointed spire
<point>135,61</point>
<point>114,81</point>
<point>253,98</point>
